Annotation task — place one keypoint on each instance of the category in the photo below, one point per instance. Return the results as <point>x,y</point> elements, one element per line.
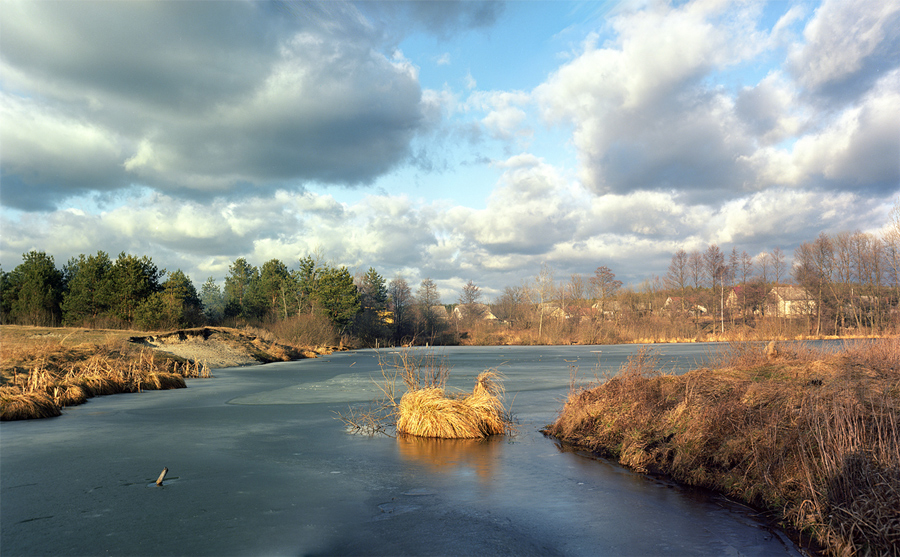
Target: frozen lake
<point>258,465</point>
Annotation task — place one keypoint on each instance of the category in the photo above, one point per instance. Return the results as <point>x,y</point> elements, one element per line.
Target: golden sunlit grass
<point>811,436</point>
<point>431,412</point>
<point>43,372</point>
<point>427,408</point>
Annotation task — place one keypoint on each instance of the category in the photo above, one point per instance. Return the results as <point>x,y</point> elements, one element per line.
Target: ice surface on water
<point>264,468</point>
<point>348,387</point>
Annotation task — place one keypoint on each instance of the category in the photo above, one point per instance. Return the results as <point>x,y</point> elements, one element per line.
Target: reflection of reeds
<point>427,409</point>
<point>61,377</point>
<point>814,438</point>
<point>449,455</point>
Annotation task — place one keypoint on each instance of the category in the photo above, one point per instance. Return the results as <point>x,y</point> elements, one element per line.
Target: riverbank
<point>653,331</point>
<point>43,370</point>
<point>810,437</point>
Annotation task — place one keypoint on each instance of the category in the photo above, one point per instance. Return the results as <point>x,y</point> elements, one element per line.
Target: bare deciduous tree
<point>717,271</point>
<point>471,294</point>
<point>605,284</point>
<point>778,266</point>
<point>677,275</point>
<point>541,293</point>
<point>400,302</point>
<point>696,269</point>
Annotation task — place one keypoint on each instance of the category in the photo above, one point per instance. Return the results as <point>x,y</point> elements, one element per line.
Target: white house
<point>791,301</point>
<point>473,311</point>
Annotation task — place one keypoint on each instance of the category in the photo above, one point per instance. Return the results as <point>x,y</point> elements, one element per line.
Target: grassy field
<point>811,437</point>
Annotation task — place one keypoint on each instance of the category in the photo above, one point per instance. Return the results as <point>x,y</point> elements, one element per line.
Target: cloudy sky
<point>451,140</point>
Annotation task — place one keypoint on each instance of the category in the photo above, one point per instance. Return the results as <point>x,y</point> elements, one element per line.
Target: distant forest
<point>845,284</point>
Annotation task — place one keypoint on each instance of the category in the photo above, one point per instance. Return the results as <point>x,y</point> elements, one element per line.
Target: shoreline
<point>799,434</point>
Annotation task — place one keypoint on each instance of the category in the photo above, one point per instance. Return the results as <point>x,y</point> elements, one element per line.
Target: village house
<point>473,311</point>
<point>549,309</point>
<point>790,301</point>
<point>674,303</point>
<point>744,298</point>
<point>608,308</point>
<point>440,313</point>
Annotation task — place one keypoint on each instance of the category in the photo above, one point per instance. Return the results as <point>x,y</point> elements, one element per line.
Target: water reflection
<point>453,456</point>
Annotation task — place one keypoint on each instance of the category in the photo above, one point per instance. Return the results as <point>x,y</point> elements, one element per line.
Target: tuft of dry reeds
<point>16,405</point>
<point>427,409</point>
<point>813,437</point>
<point>431,412</point>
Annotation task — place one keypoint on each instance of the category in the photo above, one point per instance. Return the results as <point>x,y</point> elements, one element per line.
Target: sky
<point>457,140</point>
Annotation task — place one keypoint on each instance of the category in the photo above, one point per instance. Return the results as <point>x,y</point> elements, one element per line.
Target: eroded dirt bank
<point>220,347</point>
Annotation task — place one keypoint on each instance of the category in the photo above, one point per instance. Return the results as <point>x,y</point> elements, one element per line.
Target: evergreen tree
<point>241,288</point>
<point>182,293</point>
<point>176,305</point>
<point>373,291</point>
<point>35,290</point>
<point>212,300</point>
<point>307,279</point>
<point>133,281</point>
<point>275,287</point>
<point>338,296</point>
<point>90,289</point>
<point>7,295</point>
<point>370,323</point>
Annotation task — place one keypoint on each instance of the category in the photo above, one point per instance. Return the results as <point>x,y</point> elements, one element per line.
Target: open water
<point>259,465</point>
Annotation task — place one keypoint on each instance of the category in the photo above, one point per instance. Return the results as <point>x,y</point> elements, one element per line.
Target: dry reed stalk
<point>70,375</point>
<point>69,394</point>
<point>18,405</point>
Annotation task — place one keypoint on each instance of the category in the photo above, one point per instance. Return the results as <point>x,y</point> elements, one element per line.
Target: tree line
<point>851,279</point>
<point>321,299</point>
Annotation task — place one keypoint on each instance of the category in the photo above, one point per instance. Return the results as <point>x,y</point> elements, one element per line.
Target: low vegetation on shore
<point>811,437</point>
<point>43,370</point>
<point>39,379</point>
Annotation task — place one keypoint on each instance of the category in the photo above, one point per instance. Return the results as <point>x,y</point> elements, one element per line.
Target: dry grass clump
<point>427,409</point>
<point>431,412</point>
<point>40,378</point>
<point>14,405</point>
<point>812,437</point>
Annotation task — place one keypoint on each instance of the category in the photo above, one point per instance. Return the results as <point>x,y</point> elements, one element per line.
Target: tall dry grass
<point>303,331</point>
<point>41,378</point>
<point>427,408</point>
<point>812,437</point>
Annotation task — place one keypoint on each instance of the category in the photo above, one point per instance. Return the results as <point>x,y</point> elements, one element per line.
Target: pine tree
<point>90,289</point>
<point>212,300</point>
<point>35,290</point>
